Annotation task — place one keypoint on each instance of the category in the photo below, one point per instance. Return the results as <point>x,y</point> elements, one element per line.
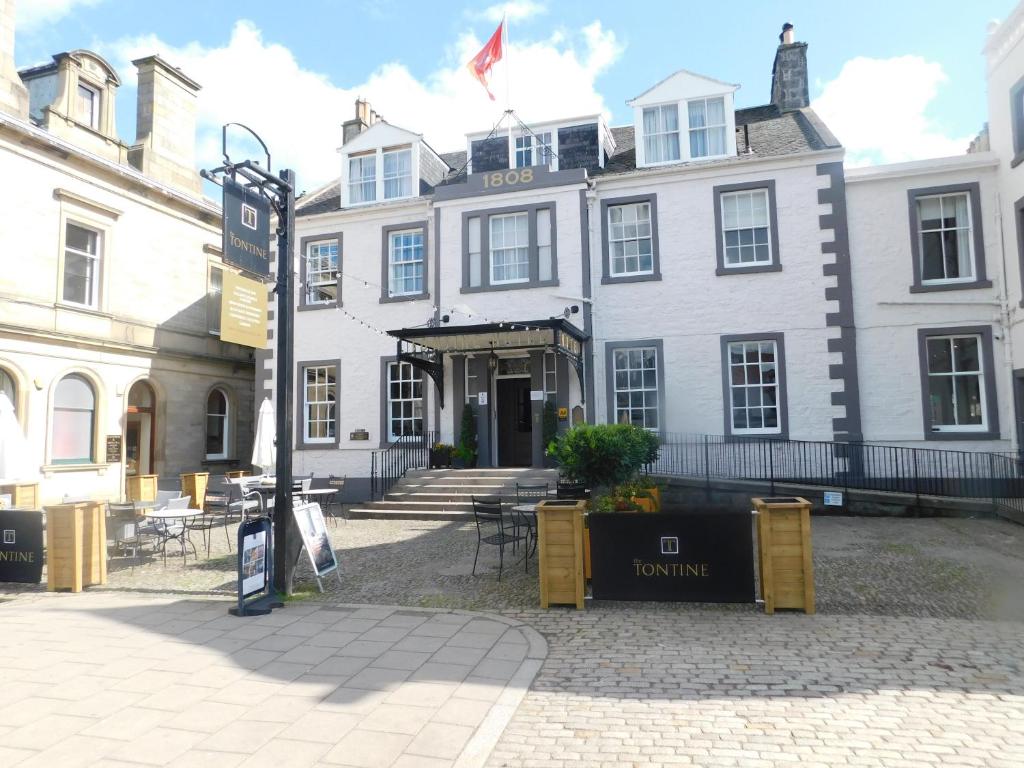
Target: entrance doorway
<point>140,430</point>
<point>515,427</point>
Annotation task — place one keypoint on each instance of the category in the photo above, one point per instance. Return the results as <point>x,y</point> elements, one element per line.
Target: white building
<point>109,291</point>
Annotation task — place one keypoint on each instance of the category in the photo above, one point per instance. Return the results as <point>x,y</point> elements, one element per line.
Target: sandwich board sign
<point>310,520</point>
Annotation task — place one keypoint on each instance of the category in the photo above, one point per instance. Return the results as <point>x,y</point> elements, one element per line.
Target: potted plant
<point>441,455</point>
<point>464,456</point>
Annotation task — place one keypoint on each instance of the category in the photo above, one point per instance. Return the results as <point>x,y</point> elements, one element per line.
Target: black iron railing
<point>388,465</point>
<point>842,466</point>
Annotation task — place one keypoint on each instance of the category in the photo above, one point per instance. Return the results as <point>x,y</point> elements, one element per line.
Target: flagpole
<point>508,102</point>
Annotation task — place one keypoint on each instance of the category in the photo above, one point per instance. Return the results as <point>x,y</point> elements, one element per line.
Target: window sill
<point>216,462</point>
<point>410,297</point>
<point>327,446</point>
<point>987,434</point>
<point>314,307</point>
<point>932,288</point>
<point>612,279</point>
<point>83,309</point>
<point>748,270</point>
<point>49,470</point>
<point>760,437</point>
<point>507,286</point>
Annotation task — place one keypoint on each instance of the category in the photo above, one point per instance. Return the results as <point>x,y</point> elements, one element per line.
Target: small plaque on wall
<point>563,413</point>
<point>359,434</point>
<point>113,449</point>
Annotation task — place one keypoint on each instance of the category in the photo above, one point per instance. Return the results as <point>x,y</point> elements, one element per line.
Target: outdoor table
<point>529,512</point>
<point>313,493</point>
<point>165,516</point>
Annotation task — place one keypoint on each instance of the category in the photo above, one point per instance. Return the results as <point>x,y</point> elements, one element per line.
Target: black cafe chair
<point>488,515</point>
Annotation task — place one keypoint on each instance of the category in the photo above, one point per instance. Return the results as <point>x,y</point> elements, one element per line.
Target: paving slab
<point>191,686</point>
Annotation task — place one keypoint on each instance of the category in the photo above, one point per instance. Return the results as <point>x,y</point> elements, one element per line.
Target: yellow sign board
<point>243,311</point>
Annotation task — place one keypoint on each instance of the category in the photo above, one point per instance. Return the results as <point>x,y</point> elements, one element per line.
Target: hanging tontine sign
<point>246,229</point>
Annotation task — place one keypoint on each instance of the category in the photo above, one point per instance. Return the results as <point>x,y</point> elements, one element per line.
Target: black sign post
<point>259,187</point>
<point>21,546</point>
<point>693,557</point>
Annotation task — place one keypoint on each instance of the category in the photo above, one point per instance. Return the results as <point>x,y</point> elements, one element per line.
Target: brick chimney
<point>365,117</point>
<point>165,132</point>
<point>789,73</point>
<point>13,94</point>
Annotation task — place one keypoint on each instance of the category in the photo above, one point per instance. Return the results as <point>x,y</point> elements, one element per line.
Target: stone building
<point>109,291</point>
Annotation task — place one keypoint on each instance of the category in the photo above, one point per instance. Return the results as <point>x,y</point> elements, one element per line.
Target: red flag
<point>480,65</point>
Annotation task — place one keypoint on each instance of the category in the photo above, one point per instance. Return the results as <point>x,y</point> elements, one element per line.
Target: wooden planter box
<point>141,487</point>
<point>784,553</point>
<point>237,473</point>
<point>76,545</point>
<point>23,495</point>
<point>194,484</point>
<point>560,548</point>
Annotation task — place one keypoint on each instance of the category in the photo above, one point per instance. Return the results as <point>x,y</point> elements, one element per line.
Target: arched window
<point>217,425</point>
<point>8,387</point>
<point>74,421</point>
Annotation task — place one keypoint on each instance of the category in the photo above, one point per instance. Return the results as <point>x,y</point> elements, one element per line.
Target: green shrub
<point>605,455</point>
<point>467,450</point>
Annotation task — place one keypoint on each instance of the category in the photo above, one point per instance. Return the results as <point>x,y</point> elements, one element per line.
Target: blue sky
<point>292,69</point>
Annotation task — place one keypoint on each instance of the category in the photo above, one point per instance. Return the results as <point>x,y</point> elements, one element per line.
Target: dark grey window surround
<point>384,432</point>
<point>304,243</point>
<point>780,371</point>
<point>773,222</point>
<point>609,375</point>
<point>988,371</point>
<point>485,249</point>
<point>1017,122</point>
<point>385,272</point>
<point>606,271</point>
<point>1018,213</point>
<point>974,191</point>
<point>300,420</point>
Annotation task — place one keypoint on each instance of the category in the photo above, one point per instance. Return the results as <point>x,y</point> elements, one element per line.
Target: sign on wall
<point>113,449</point>
<point>692,557</point>
<point>246,229</point>
<point>243,311</point>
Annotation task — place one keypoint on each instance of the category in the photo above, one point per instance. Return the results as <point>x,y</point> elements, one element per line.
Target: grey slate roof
<point>766,131</point>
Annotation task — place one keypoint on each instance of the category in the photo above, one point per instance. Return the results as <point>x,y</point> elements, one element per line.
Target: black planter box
<point>692,557</point>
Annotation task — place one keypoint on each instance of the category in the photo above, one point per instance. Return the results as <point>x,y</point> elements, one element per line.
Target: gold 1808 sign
<point>508,178</point>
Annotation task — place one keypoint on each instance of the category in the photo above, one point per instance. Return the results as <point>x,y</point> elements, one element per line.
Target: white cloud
<point>34,13</point>
<point>877,109</point>
<point>517,10</point>
<point>299,112</point>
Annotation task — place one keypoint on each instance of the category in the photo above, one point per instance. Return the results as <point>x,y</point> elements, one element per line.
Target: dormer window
<point>661,133</point>
<point>362,179</point>
<point>397,173</point>
<point>707,127</point>
<point>88,106</point>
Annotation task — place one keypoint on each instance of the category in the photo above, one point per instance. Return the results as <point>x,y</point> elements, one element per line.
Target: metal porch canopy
<point>425,348</point>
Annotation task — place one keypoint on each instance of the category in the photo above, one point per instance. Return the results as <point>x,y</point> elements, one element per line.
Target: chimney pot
<point>786,38</point>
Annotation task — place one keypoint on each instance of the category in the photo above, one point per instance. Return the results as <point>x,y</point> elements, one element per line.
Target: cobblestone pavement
<point>915,656</point>
<point>103,679</point>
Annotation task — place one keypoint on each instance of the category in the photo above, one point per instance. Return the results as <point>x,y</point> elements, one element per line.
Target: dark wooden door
<point>515,445</point>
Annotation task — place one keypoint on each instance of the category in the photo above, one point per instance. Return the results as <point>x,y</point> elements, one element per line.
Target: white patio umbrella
<point>15,463</point>
<point>264,455</point>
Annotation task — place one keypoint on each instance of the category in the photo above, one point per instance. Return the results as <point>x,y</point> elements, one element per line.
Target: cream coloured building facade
<point>109,291</point>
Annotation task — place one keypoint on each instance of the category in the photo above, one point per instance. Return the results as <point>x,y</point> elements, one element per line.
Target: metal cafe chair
<point>487,512</point>
<point>129,530</point>
<point>337,484</point>
<point>529,494</point>
<point>227,501</point>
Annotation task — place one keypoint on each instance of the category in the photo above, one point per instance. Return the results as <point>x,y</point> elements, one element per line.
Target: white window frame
<point>550,375</point>
<point>970,239</point>
<point>980,374</point>
<point>541,142</point>
<point>726,264</point>
<point>225,423</point>
<point>363,179</point>
<point>612,240</point>
<point>95,261</point>
<point>415,376</point>
<point>94,116</point>
<point>94,422</point>
<point>314,277</point>
<point>724,126</point>
<point>759,385</point>
<point>385,178</point>
<point>663,135</point>
<point>518,248</point>
<point>629,390</point>
<point>331,405</point>
<point>405,261</point>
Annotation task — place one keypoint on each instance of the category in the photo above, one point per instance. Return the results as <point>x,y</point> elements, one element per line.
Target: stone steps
<point>446,494</point>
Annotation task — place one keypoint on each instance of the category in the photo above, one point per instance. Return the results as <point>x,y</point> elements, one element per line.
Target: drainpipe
<point>1005,325</point>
